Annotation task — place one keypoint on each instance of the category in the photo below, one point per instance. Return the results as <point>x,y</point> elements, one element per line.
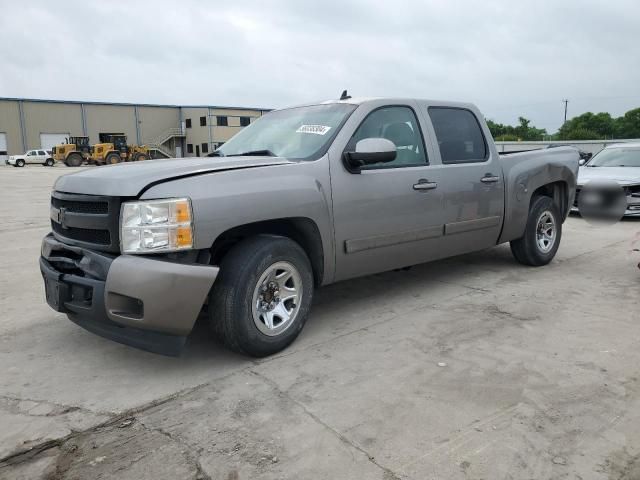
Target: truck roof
<point>385,100</point>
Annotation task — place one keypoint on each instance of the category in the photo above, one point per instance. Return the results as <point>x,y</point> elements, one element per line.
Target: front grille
<point>86,235</point>
<point>89,221</point>
<point>96,208</point>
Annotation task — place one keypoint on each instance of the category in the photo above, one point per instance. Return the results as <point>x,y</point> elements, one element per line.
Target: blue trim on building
<point>125,104</point>
<point>23,130</point>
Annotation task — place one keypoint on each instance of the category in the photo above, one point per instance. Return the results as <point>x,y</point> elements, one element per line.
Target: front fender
<point>227,199</point>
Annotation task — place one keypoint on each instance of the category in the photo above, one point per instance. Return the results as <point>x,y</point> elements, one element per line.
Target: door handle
<point>424,184</point>
<point>488,178</point>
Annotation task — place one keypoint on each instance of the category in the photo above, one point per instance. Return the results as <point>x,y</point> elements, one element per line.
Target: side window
<point>31,153</point>
<point>459,135</point>
<point>187,123</point>
<point>398,124</point>
<point>222,121</point>
<point>41,152</point>
<point>203,121</point>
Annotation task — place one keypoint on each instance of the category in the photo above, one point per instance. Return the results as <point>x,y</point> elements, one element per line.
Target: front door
<point>389,215</point>
<point>31,157</point>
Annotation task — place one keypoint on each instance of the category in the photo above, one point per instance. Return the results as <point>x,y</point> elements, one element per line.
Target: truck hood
<point>129,179</point>
<point>622,175</point>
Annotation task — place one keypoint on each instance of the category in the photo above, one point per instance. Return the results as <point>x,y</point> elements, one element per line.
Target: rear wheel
<point>261,298</point>
<point>112,159</point>
<point>74,160</point>
<point>142,157</point>
<point>49,162</point>
<point>542,234</point>
<point>20,163</point>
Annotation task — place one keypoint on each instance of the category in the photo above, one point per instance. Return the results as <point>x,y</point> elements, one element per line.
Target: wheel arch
<point>554,181</point>
<point>301,230</point>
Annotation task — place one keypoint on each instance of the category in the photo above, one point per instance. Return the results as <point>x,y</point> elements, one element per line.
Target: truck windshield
<point>302,133</point>
<point>616,157</point>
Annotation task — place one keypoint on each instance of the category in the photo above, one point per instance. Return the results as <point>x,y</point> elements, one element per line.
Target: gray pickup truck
<point>303,197</point>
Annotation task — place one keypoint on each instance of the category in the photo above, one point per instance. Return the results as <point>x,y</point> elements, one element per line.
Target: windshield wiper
<point>261,153</point>
<point>216,153</point>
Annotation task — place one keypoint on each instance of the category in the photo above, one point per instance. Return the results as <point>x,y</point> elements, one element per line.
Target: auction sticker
<point>315,129</point>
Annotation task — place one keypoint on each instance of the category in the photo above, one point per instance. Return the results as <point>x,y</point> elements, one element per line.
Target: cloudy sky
<point>511,58</point>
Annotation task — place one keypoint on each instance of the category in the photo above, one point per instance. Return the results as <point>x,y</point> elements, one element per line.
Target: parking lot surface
<point>472,367</point>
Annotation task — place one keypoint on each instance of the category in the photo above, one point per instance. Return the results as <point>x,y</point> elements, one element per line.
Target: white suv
<point>41,157</point>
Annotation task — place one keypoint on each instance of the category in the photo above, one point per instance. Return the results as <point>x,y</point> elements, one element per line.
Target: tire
<point>20,163</point>
<point>142,157</point>
<point>234,312</point>
<point>73,160</point>
<point>112,159</point>
<point>49,162</point>
<point>537,246</point>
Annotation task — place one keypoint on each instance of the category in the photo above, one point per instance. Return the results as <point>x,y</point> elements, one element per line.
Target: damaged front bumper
<point>149,303</point>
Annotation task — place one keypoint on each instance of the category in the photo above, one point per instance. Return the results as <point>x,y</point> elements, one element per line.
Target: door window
<point>31,153</point>
<point>459,135</point>
<point>41,152</point>
<point>400,125</point>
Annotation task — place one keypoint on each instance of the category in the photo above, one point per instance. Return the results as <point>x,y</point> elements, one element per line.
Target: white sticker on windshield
<point>315,129</point>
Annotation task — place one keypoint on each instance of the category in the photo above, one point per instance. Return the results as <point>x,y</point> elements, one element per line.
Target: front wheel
<point>542,234</point>
<point>262,296</point>
<point>20,163</point>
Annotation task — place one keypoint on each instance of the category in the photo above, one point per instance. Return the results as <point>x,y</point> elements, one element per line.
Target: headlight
<point>156,226</point>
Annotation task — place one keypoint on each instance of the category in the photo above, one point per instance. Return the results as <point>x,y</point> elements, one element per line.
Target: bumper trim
<point>154,342</point>
<point>144,302</point>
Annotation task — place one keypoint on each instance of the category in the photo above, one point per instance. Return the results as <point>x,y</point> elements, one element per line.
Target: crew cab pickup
<point>301,198</point>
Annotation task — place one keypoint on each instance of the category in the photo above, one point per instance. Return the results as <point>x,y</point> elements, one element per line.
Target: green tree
<point>581,134</point>
<point>628,126</point>
<point>523,131</point>
<point>598,125</point>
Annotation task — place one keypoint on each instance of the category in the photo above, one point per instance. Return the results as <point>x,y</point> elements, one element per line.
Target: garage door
<point>3,147</point>
<point>48,140</point>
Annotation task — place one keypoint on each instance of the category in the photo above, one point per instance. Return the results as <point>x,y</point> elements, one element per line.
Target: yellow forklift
<point>73,152</point>
<point>113,149</point>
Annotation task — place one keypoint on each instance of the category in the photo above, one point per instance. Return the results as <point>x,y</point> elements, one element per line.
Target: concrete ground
<point>473,367</point>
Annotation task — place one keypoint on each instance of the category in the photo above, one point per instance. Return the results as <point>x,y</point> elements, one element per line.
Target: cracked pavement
<point>472,367</point>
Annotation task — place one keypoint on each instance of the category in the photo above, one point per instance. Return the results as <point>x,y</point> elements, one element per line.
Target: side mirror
<point>582,161</point>
<point>369,151</point>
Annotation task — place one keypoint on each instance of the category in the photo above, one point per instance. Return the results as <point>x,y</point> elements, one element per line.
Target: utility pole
<point>565,109</point>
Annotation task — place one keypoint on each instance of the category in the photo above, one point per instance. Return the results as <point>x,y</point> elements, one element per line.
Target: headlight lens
<point>156,226</point>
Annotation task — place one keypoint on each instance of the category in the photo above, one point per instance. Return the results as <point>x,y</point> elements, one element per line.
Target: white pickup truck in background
<point>40,157</point>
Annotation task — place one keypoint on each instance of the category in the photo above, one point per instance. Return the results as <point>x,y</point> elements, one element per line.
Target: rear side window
<point>459,135</point>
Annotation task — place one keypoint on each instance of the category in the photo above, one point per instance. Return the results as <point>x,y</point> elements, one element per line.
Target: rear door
<point>472,180</point>
<point>389,215</point>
